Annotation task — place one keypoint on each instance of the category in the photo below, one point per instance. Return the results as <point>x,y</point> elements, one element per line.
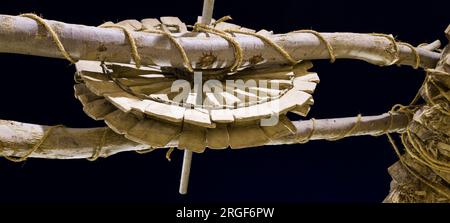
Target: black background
<point>39,90</point>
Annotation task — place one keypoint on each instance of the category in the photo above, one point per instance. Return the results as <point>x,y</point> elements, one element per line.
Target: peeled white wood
<point>311,77</point>
<point>222,116</point>
<point>253,112</point>
<point>122,100</point>
<point>151,24</point>
<point>71,143</point>
<point>207,13</point>
<point>199,117</point>
<point>131,24</point>
<point>290,101</point>
<point>82,42</point>
<point>185,172</point>
<point>164,111</point>
<point>174,21</point>
<point>305,86</point>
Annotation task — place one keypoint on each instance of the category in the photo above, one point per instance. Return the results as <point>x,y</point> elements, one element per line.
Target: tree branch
<point>24,36</point>
<point>16,139</point>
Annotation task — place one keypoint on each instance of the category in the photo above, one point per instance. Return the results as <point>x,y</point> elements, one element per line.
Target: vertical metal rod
<point>208,7</point>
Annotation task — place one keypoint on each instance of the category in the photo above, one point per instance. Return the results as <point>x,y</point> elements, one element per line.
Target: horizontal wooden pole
<point>24,36</point>
<point>16,139</point>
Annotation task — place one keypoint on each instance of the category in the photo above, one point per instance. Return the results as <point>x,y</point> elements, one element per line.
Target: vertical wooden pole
<point>208,7</point>
<point>185,171</point>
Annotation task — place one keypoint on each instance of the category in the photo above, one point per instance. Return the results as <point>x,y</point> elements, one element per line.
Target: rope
<point>434,72</point>
<point>424,156</point>
<point>133,47</point>
<point>186,61</point>
<point>431,100</point>
<point>396,56</point>
<point>98,150</point>
<point>437,187</point>
<point>270,42</point>
<point>416,54</point>
<point>35,147</point>
<point>169,153</point>
<point>311,133</point>
<point>238,52</point>
<point>53,34</point>
<point>413,144</point>
<point>418,96</point>
<point>350,131</point>
<point>440,89</point>
<point>323,40</point>
<point>145,151</point>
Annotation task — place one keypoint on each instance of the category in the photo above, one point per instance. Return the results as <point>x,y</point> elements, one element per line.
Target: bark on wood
<point>25,36</point>
<point>16,138</point>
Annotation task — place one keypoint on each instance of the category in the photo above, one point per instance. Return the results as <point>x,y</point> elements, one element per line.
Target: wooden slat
<point>172,113</point>
<point>174,21</point>
<point>263,75</point>
<point>122,100</point>
<point>146,79</point>
<point>130,70</point>
<point>227,25</point>
<point>88,66</point>
<point>253,112</point>
<point>100,88</point>
<point>265,32</point>
<point>266,91</point>
<point>217,138</point>
<point>306,86</point>
<point>227,97</point>
<point>120,121</point>
<point>289,101</point>
<point>192,138</point>
<point>80,89</point>
<point>302,68</point>
<point>87,98</point>
<point>98,109</point>
<point>83,94</point>
<point>222,116</point>
<point>192,98</point>
<point>151,24</point>
<point>222,95</point>
<point>154,133</point>
<point>301,110</point>
<point>284,127</point>
<point>282,84</point>
<point>130,24</point>
<point>246,136</point>
<point>160,96</point>
<point>152,88</point>
<point>138,132</point>
<point>199,117</point>
<point>310,76</point>
<point>212,101</point>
